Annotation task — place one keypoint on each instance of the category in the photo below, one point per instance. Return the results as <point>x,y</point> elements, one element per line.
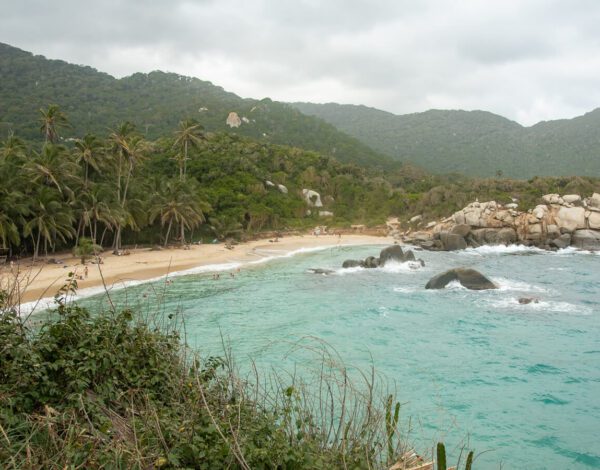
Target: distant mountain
<point>475,143</point>
<point>155,102</point>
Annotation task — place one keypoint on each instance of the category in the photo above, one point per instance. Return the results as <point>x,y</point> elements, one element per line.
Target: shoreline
<point>35,284</point>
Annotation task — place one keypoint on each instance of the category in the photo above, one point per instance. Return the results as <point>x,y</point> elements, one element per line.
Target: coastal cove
<point>520,382</point>
<point>40,282</point>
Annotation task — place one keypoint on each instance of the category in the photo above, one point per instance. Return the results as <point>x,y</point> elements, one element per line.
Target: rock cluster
<point>392,253</point>
<point>467,277</point>
<point>559,222</point>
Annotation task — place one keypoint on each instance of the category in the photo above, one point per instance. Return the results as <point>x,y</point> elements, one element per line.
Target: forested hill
<point>475,143</point>
<point>155,103</point>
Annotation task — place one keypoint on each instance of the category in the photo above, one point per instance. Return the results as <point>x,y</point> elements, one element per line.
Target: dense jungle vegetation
<point>155,103</point>
<point>192,185</point>
<point>186,185</point>
<point>474,143</point>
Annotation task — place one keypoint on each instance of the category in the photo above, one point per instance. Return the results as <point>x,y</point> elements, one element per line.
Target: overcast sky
<point>528,60</point>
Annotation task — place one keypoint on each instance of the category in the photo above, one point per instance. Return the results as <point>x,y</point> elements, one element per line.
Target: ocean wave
<point>352,270</point>
<point>502,250</point>
<point>523,249</point>
<point>390,267</point>
<point>396,267</point>
<point>543,306</point>
<point>408,289</point>
<point>505,284</point>
<point>48,302</point>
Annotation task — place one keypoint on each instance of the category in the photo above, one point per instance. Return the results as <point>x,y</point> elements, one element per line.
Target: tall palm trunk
<point>168,232</point>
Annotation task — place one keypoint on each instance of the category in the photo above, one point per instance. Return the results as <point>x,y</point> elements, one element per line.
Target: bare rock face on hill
<point>233,120</point>
<point>560,222</point>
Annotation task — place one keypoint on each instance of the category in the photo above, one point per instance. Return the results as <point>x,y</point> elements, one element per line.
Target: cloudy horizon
<point>527,60</point>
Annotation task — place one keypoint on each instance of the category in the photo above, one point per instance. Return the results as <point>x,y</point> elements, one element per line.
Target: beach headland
<point>43,280</point>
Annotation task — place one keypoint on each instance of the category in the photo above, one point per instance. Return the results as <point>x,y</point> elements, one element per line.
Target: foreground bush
<point>111,391</point>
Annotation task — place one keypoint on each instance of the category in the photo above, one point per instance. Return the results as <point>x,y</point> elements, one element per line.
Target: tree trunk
<point>168,232</point>
<point>117,242</point>
<point>185,151</point>
<point>102,237</point>
<point>36,245</point>
<point>78,230</point>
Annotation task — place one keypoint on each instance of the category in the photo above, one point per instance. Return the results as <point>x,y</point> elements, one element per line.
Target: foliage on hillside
<point>474,143</point>
<point>189,184</point>
<point>155,103</point>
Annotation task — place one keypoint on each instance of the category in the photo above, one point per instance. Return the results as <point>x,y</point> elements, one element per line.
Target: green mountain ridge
<point>475,143</point>
<point>155,103</point>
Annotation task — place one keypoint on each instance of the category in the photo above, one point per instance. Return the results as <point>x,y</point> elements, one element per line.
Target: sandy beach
<point>43,280</point>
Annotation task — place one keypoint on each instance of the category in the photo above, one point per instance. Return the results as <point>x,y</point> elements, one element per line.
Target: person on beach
<point>86,272</point>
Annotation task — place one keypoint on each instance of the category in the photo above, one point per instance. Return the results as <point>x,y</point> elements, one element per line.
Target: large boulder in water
<point>469,278</point>
<point>391,253</point>
<point>395,253</point>
<point>371,262</point>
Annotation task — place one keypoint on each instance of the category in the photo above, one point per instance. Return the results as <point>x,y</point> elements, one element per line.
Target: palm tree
<point>52,119</point>
<point>53,166</point>
<point>88,150</point>
<point>189,134</point>
<point>86,248</point>
<point>178,202</point>
<point>12,148</point>
<point>51,220</point>
<point>129,150</point>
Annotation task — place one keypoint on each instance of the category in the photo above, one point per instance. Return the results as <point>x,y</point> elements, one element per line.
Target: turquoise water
<point>521,382</point>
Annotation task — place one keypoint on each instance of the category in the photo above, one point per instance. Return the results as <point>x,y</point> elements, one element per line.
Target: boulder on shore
<point>468,278</point>
<point>586,239</point>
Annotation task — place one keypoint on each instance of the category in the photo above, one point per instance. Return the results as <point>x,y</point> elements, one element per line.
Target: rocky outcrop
<point>395,253</point>
<point>392,253</point>
<point>233,120</point>
<point>312,198</point>
<point>551,225</point>
<point>351,263</point>
<point>467,277</point>
<point>586,239</point>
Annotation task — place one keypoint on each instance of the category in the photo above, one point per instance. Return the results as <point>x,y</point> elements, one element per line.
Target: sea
<point>517,383</point>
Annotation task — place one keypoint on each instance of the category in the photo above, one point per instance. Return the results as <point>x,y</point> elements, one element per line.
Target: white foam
<point>279,254</point>
<point>501,250</point>
<point>352,270</point>
<point>455,285</point>
<point>396,267</point>
<point>513,285</point>
<point>407,289</point>
<point>547,306</point>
